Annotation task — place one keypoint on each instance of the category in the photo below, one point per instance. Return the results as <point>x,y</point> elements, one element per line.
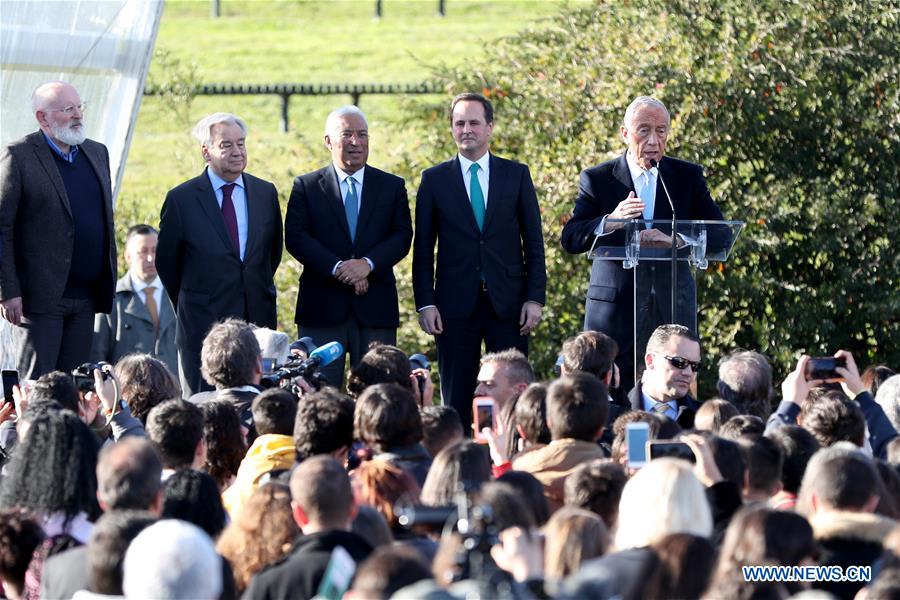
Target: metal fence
<point>286,90</point>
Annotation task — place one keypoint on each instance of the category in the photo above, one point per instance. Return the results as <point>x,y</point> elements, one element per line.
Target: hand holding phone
<point>483,413</point>
<point>637,435</point>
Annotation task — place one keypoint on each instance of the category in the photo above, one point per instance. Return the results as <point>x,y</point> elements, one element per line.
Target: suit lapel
<point>253,214</point>
<point>661,209</point>
<point>622,174</point>
<point>206,197</point>
<point>458,190</point>
<point>328,182</point>
<point>367,200</point>
<point>496,185</point>
<point>45,157</point>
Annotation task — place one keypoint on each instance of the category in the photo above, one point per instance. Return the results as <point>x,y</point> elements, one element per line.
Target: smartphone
<point>9,379</point>
<point>636,437</point>
<point>483,412</point>
<point>824,367</point>
<point>672,448</point>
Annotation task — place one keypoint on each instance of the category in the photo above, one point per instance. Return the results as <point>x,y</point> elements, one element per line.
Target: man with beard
<point>57,246</point>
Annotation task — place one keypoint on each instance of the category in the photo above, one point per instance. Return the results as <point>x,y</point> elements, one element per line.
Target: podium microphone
<point>654,165</point>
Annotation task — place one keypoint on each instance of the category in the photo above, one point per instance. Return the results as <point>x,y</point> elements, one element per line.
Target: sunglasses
<point>682,363</point>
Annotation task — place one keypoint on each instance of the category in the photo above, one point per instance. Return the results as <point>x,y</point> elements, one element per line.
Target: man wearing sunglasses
<point>57,245</point>
<point>672,359</point>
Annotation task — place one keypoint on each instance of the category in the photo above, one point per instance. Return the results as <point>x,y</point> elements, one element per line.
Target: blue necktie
<point>476,196</point>
<point>351,206</point>
<point>647,196</point>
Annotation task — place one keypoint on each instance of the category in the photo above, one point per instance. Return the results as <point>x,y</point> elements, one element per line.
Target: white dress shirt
<point>344,186</point>
<point>484,173</point>
<point>139,288</point>
<point>239,199</point>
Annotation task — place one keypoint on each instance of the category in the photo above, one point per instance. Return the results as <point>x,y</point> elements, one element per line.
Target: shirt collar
<point>217,182</point>
<point>138,286</point>
<point>636,170</point>
<point>356,175</point>
<point>649,402</point>
<point>73,150</point>
<point>484,162</point>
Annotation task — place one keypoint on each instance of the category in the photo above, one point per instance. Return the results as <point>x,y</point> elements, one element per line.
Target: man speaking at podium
<point>629,187</point>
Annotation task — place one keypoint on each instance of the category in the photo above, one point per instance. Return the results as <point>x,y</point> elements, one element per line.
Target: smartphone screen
<point>661,448</point>
<point>9,379</point>
<point>636,437</point>
<point>484,414</point>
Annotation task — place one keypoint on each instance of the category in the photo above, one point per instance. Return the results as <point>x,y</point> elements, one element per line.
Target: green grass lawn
<point>336,41</point>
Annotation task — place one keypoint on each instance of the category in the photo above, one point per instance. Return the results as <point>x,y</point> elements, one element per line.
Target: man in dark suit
<point>57,245</point>
<point>490,281</point>
<point>219,244</point>
<point>672,358</point>
<point>629,187</point>
<point>348,224</point>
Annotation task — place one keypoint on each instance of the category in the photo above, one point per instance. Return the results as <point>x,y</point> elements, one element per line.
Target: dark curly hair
<point>381,364</point>
<point>145,382</point>
<point>54,468</point>
<point>20,534</point>
<point>224,441</point>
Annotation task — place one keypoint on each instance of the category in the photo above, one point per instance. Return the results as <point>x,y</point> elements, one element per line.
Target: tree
<point>792,108</point>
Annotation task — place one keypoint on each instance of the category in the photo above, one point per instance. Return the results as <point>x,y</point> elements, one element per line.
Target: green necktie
<point>476,196</point>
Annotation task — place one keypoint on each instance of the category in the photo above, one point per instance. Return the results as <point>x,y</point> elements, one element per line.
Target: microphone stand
<point>655,164</point>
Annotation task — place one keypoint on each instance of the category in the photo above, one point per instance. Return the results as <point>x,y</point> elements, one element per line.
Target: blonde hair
<point>662,498</point>
<point>573,535</point>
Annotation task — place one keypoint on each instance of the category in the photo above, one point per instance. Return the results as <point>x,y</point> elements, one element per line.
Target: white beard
<point>67,135</point>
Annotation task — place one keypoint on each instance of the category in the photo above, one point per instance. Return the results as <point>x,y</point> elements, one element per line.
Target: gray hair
<point>745,380</point>
<point>332,121</point>
<point>888,397</point>
<point>203,129</point>
<point>172,559</point>
<point>661,335</point>
<point>41,92</point>
<point>643,101</point>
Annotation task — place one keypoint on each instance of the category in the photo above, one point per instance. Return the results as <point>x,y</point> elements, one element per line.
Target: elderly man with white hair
<point>635,186</point>
<point>219,244</point>
<point>172,560</point>
<point>348,224</point>
<point>57,244</point>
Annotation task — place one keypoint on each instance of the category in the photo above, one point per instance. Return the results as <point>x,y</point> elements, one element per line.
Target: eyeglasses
<point>68,110</point>
<point>682,363</point>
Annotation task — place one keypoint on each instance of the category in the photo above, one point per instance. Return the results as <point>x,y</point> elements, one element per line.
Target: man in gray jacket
<point>142,319</point>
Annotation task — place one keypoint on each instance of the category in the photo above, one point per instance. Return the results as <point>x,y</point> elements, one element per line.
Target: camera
<point>824,368</point>
<point>307,368</point>
<point>419,361</point>
<point>83,375</point>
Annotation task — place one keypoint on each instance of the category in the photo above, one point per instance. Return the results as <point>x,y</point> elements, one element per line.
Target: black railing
<point>286,90</point>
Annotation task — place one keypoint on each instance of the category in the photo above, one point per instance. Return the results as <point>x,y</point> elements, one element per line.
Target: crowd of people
<point>129,490</point>
<point>174,466</point>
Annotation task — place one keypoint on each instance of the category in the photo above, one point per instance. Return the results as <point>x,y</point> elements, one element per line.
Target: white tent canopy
<point>102,47</point>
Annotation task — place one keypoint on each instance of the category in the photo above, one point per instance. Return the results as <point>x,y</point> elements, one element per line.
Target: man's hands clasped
<point>354,272</point>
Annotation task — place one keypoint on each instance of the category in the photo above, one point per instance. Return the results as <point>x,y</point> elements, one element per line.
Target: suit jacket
<point>66,573</point>
<point>687,406</point>
<point>201,270</point>
<point>508,253</point>
<point>318,236</point>
<point>128,329</point>
<point>610,295</point>
<point>37,233</point>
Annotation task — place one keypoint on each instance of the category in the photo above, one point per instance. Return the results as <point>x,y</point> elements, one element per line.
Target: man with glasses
<point>672,359</point>
<point>57,245</point>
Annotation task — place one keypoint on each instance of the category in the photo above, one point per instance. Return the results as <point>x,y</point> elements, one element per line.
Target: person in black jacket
<point>323,508</point>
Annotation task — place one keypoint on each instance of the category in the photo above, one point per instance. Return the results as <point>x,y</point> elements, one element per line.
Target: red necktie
<point>230,217</point>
